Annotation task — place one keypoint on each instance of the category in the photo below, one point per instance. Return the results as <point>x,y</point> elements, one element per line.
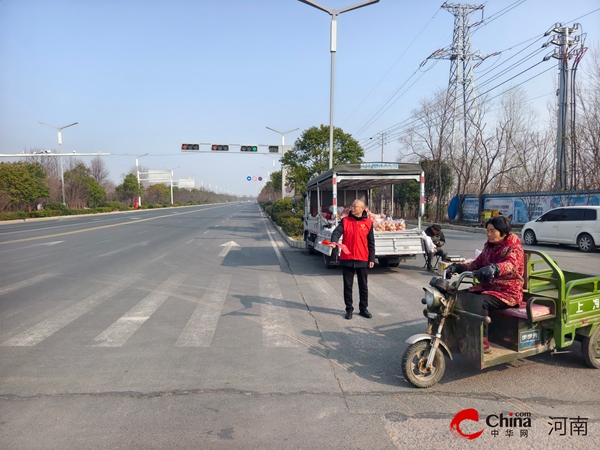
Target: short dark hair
<point>500,223</point>
<point>436,227</point>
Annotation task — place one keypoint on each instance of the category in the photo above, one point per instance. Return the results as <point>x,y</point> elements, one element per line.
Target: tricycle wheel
<point>327,262</point>
<point>590,348</point>
<point>414,361</point>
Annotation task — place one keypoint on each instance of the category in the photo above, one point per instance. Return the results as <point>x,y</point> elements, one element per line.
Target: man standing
<point>359,240</point>
<point>437,236</point>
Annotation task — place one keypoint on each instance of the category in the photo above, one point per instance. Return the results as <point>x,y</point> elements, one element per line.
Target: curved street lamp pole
<point>283,173</point>
<point>334,13</point>
<point>62,176</point>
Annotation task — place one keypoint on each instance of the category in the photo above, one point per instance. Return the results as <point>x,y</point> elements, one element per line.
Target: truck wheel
<point>529,237</point>
<point>309,247</point>
<point>327,261</point>
<point>590,349</point>
<point>585,243</point>
<point>414,361</point>
<point>383,262</point>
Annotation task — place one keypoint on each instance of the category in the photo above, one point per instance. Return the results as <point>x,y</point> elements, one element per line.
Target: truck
<point>340,186</point>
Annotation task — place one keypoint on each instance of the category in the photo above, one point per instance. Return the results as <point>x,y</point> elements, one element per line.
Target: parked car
<point>579,225</point>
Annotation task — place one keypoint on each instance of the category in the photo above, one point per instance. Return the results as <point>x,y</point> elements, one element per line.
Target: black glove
<point>486,273</point>
<point>454,268</point>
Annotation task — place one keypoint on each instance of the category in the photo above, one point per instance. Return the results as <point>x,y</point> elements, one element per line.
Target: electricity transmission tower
<point>461,56</point>
<point>565,41</point>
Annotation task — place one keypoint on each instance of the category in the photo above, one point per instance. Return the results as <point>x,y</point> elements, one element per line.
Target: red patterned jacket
<point>510,258</point>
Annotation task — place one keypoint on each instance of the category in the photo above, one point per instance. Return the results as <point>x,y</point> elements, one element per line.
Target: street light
<point>138,174</point>
<point>334,13</point>
<point>283,133</point>
<point>62,176</point>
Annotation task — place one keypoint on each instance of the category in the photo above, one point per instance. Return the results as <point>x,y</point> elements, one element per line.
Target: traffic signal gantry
<point>196,147</point>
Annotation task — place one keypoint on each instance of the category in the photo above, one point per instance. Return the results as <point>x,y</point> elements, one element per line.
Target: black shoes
<point>365,313</point>
<point>348,315</point>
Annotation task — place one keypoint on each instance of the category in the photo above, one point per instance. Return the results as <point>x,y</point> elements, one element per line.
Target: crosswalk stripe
<point>42,330</point>
<point>200,328</point>
<point>276,322</point>
<point>121,330</point>
<point>28,282</point>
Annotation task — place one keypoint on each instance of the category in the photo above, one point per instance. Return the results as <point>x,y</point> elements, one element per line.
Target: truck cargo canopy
<point>366,175</point>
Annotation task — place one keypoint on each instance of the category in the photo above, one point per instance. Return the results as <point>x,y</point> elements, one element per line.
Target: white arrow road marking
<point>51,243</point>
<point>200,329</point>
<point>121,330</point>
<point>227,246</point>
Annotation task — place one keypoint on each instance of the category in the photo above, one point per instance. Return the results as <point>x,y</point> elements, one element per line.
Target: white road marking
<point>129,247</point>
<point>228,246</point>
<point>273,243</point>
<point>276,322</point>
<point>200,328</point>
<point>27,282</point>
<point>121,330</point>
<point>42,330</point>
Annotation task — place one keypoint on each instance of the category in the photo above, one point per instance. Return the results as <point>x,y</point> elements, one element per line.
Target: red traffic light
<point>190,146</point>
<point>220,148</point>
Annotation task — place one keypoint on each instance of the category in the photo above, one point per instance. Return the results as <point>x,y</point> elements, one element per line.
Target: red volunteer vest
<point>355,238</point>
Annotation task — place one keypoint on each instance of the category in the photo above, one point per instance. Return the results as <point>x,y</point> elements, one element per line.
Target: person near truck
<point>437,236</point>
<point>499,270</point>
<point>358,257</point>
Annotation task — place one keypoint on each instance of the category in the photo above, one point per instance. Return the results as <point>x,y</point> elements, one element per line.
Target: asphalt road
<point>198,327</point>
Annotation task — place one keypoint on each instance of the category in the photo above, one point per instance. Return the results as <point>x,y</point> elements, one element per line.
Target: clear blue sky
<point>143,76</point>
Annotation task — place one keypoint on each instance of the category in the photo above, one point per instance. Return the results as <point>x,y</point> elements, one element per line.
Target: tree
<point>129,189</point>
<point>81,188</point>
<point>99,171</point>
<point>22,184</point>
<point>438,183</point>
<point>310,154</point>
<point>158,193</point>
<point>407,194</point>
<point>429,139</point>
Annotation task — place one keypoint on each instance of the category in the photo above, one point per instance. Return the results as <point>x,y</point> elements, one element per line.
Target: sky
<point>145,76</point>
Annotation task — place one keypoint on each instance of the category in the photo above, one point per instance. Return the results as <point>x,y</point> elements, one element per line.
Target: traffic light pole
<point>62,175</point>
<point>283,171</point>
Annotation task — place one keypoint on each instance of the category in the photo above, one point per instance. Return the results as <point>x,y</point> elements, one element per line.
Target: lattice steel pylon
<point>461,56</point>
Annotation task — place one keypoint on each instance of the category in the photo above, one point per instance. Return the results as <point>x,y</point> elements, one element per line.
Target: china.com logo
<point>513,420</point>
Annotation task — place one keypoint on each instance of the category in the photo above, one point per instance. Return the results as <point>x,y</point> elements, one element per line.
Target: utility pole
<point>564,42</point>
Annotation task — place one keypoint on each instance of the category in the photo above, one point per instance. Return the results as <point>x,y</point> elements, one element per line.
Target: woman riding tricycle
<point>526,309</point>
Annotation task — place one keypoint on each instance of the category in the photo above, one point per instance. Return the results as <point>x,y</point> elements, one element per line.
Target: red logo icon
<point>465,414</point>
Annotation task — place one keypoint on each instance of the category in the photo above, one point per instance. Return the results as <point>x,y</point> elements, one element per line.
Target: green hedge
<point>281,213</point>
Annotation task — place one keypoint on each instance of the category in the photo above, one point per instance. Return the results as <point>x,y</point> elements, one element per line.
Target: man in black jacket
<point>437,236</point>
<point>359,256</point>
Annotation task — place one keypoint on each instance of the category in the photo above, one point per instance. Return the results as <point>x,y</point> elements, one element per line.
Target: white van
<point>578,225</point>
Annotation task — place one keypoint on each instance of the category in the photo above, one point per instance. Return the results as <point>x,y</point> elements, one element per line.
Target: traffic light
<point>190,146</point>
<point>220,148</point>
<point>273,148</point>
<point>249,148</point>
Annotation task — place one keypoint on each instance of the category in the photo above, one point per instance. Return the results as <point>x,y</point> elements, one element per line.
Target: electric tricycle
<point>559,307</point>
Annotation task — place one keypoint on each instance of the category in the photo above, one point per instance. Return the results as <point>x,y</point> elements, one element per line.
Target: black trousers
<point>363,291</point>
<point>479,304</point>
<point>441,253</point>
